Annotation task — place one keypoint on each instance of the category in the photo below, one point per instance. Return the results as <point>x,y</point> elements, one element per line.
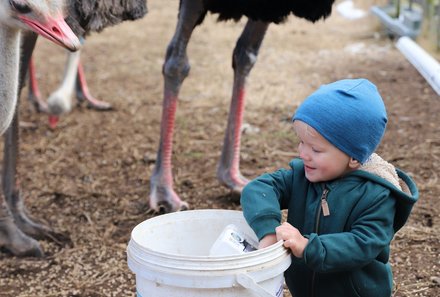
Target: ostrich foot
<point>235,182</point>
<point>16,242</point>
<point>83,92</point>
<point>36,230</point>
<point>163,199</point>
<point>39,231</point>
<point>93,103</point>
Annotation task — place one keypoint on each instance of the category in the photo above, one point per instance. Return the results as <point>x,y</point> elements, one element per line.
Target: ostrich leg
<point>244,57</point>
<point>34,94</point>
<point>12,192</point>
<point>11,237</point>
<point>18,223</point>
<point>83,93</point>
<point>163,198</point>
<point>10,184</point>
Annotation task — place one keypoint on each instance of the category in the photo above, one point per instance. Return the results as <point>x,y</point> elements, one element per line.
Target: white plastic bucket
<point>169,255</point>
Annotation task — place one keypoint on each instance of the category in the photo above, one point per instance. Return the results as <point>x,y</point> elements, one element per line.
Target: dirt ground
<point>89,178</point>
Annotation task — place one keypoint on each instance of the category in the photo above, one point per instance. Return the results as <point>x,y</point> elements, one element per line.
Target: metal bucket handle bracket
<point>249,283</point>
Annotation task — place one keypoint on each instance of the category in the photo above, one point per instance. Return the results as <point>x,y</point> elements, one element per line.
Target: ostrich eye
<point>21,8</point>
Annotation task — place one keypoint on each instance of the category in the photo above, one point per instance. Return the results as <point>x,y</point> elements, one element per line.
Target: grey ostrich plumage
<point>85,16</point>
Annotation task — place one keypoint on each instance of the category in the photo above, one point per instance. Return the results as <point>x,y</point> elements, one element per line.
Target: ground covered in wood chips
<point>89,178</point>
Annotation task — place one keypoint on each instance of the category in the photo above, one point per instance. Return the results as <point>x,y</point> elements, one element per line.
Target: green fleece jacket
<point>348,249</point>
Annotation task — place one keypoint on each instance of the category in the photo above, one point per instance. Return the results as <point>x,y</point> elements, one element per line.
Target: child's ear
<point>354,164</point>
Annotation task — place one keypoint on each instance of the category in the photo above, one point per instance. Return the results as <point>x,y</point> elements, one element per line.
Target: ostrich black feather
<point>274,11</point>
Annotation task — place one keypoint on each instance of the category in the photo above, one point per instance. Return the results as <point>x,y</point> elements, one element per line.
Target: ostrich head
<point>44,17</point>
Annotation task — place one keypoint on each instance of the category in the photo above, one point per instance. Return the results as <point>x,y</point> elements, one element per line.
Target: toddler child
<point>344,202</point>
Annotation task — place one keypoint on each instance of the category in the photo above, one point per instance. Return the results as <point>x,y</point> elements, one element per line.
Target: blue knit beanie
<point>349,113</point>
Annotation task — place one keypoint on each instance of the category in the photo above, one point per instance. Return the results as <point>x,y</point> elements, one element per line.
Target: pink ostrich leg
<point>163,198</point>
<point>228,171</point>
<point>83,93</point>
<point>244,58</point>
<point>162,179</point>
<point>34,91</point>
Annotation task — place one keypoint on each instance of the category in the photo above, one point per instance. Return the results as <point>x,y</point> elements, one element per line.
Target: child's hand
<point>267,240</point>
<point>292,239</point>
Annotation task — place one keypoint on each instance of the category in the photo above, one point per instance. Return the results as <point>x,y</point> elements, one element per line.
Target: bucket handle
<point>249,283</point>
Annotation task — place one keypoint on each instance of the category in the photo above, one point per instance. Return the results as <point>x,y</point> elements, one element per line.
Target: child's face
<point>322,160</point>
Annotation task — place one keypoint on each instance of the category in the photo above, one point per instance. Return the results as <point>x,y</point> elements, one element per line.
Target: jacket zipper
<point>326,212</point>
<point>324,204</point>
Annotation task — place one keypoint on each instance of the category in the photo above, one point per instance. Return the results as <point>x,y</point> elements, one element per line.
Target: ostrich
<point>45,18</point>
<point>176,67</point>
<point>60,101</point>
<point>83,17</point>
<point>17,231</point>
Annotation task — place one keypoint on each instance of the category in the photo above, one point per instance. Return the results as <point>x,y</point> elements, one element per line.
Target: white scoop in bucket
<point>232,241</point>
<point>170,256</point>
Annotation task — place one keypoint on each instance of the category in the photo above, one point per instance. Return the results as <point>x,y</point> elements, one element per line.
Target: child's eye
<point>315,150</point>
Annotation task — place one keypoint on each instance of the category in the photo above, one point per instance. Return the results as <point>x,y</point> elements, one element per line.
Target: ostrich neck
<point>9,61</point>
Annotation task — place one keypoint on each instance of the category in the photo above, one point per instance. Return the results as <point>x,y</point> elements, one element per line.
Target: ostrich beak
<point>53,121</point>
<point>56,30</point>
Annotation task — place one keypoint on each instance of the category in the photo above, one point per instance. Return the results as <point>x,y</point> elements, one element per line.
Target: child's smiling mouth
<point>308,168</point>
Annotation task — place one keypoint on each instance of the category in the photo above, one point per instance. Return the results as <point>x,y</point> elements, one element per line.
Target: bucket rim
<point>138,251</point>
<point>137,231</point>
<point>133,245</point>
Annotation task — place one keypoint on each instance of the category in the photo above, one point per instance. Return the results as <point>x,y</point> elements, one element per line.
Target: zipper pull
<point>324,204</point>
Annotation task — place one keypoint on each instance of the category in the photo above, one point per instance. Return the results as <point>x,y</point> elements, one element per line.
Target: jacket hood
<point>401,185</point>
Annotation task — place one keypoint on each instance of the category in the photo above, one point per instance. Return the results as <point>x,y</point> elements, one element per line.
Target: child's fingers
<point>283,227</point>
<point>283,234</point>
<point>289,243</point>
<point>285,231</point>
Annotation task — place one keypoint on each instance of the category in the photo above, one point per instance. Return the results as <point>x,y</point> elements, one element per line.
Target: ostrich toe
<point>16,242</point>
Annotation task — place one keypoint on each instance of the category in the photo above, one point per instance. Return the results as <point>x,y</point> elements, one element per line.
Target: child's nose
<point>303,154</point>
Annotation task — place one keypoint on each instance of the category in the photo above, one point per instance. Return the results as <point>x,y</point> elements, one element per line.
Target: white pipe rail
<point>427,66</point>
<point>396,26</point>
